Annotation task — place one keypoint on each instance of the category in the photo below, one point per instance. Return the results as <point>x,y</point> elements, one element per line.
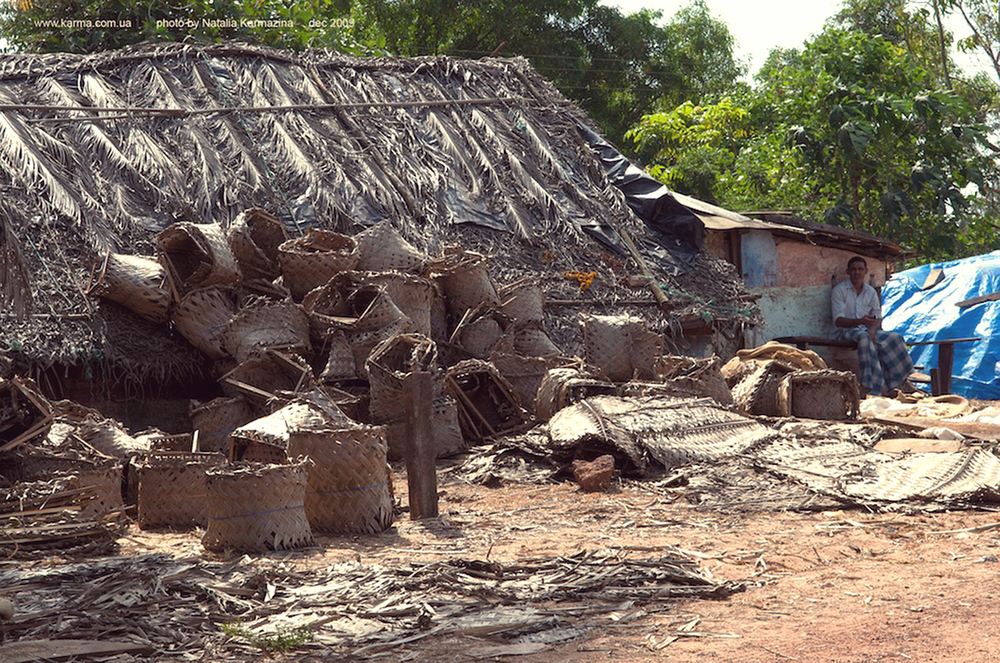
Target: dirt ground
<point>845,585</point>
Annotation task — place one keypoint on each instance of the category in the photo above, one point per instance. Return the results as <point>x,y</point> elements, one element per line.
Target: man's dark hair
<point>857,259</point>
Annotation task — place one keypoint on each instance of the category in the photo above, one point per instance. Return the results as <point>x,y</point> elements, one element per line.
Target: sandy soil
<point>846,586</point>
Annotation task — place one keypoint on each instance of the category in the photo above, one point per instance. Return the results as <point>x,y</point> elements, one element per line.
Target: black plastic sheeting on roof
<point>680,234</point>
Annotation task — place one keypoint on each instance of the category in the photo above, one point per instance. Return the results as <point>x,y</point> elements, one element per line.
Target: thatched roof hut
<point>99,153</point>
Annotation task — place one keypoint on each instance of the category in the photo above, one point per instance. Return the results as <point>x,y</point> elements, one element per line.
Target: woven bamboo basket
<point>382,249</point>
<point>757,392</point>
<point>267,373</point>
<point>348,490</point>
<point>607,344</point>
<point>254,238</point>
<point>197,255</point>
<point>201,317</point>
<point>527,339</point>
<point>694,377</point>
<point>478,336</point>
<point>178,442</point>
<point>267,324</point>
<point>645,349</point>
<point>388,366</point>
<point>414,296</point>
<point>172,488</point>
<point>823,394</point>
<point>373,309</point>
<point>216,419</point>
<point>522,301</point>
<point>267,437</point>
<point>137,283</point>
<point>256,507</point>
<point>102,490</point>
<point>310,261</point>
<point>362,343</point>
<point>108,437</point>
<point>561,387</point>
<point>524,374</point>
<point>465,280</point>
<point>487,404</point>
<point>448,439</point>
<point>339,364</point>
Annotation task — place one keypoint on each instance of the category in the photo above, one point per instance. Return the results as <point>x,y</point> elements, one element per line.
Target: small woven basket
<point>256,507</point>
<point>216,419</point>
<point>414,296</point>
<point>310,261</point>
<point>522,301</point>
<point>607,344</point>
<point>694,377</point>
<point>466,281</point>
<point>382,249</point>
<point>524,374</point>
<point>757,392</point>
<point>448,439</point>
<point>477,337</point>
<point>339,364</point>
<point>202,316</point>
<point>267,324</point>
<point>561,387</point>
<point>197,255</point>
<point>527,339</point>
<point>172,488</point>
<point>827,394</point>
<point>348,490</point>
<point>388,366</point>
<point>254,238</point>
<point>136,282</point>
<point>268,374</point>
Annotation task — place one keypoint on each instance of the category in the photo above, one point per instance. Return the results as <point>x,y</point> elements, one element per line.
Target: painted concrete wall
<point>805,264</point>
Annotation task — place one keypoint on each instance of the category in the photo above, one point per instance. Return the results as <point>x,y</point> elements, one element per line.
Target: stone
<point>594,475</point>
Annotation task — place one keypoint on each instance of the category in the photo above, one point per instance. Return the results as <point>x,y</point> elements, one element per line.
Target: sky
<point>760,25</point>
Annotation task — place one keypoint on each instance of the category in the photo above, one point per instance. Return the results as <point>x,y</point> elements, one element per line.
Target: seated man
<point>857,315</point>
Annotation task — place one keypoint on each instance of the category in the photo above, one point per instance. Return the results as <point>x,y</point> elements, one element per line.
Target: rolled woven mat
<point>256,507</point>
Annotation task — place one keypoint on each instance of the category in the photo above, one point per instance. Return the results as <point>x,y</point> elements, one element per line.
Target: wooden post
<point>421,472</point>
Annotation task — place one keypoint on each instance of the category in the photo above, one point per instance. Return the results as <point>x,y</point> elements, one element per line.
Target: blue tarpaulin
<point>932,314</point>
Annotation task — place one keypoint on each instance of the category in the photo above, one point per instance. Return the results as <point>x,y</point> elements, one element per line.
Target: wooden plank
<point>24,651</point>
<point>965,303</point>
<point>934,277</point>
<point>421,469</point>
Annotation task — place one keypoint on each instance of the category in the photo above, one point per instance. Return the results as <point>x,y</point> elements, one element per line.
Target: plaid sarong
<point>885,364</point>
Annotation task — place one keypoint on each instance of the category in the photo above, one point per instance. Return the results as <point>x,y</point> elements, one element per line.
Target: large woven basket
<point>267,373</point>
<point>172,488</point>
<point>448,439</point>
<point>254,238</point>
<point>197,255</point>
<point>267,324</point>
<point>561,387</point>
<point>267,438</point>
<point>522,301</point>
<point>201,317</point>
<point>100,487</point>
<point>216,419</point>
<point>382,249</point>
<point>349,488</point>
<point>137,283</point>
<point>487,404</point>
<point>466,281</point>
<point>413,295</point>
<point>823,394</point>
<point>310,261</point>
<point>256,507</point>
<point>388,366</point>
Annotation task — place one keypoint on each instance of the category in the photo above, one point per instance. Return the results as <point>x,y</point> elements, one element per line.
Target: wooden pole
<point>421,473</point>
